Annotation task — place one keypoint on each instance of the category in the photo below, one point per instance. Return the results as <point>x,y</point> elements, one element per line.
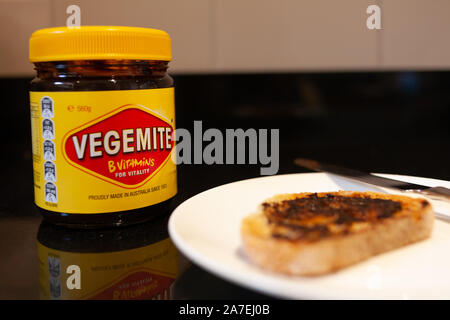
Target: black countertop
<point>387,122</point>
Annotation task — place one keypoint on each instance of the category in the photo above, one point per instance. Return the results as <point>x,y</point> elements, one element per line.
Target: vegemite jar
<point>102,119</point>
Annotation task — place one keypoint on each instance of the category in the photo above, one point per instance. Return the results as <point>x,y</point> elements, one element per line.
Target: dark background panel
<point>392,122</point>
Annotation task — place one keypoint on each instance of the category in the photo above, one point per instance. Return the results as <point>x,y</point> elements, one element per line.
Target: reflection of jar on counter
<point>138,262</point>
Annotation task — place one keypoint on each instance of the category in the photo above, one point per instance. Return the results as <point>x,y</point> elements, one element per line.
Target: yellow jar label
<point>103,151</point>
<point>142,273</point>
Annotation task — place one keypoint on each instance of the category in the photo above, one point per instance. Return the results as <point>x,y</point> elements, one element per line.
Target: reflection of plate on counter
<point>206,228</point>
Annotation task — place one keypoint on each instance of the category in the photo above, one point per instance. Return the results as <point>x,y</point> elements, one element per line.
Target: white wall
<point>253,35</point>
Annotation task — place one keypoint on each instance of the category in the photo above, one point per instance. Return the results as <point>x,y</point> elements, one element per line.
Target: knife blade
<point>437,193</point>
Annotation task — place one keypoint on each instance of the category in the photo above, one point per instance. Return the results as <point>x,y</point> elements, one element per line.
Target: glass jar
<point>103,119</point>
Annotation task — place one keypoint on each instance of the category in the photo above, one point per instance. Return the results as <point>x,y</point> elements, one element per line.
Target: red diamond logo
<point>125,147</point>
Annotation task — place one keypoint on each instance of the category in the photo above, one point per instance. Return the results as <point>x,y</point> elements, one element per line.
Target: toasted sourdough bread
<point>317,233</point>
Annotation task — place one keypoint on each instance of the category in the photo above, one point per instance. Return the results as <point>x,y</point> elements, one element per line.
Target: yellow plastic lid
<point>99,43</point>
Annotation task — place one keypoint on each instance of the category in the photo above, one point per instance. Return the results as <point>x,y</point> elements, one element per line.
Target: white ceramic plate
<point>206,228</point>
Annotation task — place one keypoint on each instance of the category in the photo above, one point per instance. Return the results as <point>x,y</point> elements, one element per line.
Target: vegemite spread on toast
<point>316,216</point>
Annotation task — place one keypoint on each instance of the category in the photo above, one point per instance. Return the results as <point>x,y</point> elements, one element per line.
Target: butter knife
<point>435,193</point>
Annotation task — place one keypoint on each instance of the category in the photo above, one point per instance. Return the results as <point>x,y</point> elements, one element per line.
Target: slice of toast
<point>317,233</point>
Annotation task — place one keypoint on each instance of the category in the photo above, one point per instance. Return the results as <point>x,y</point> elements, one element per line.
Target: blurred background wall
<point>235,36</point>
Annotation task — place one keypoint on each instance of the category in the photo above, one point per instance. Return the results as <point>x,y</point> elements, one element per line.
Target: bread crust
<point>332,252</point>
